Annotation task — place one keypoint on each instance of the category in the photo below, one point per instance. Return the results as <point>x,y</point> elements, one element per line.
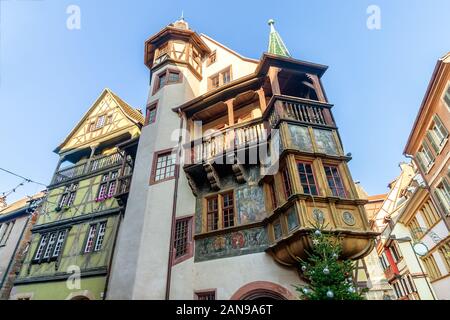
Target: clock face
<point>421,249</point>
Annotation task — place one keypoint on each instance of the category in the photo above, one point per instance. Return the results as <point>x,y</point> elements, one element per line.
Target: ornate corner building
<point>237,159</point>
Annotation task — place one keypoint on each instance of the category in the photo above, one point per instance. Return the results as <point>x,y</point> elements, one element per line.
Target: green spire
<point>276,44</point>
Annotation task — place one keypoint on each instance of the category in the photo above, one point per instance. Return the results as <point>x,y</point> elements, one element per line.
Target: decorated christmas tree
<point>328,276</point>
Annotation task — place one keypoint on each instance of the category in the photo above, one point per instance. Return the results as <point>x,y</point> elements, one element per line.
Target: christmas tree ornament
<point>335,256</point>
<point>326,270</point>
<point>305,290</point>
<point>351,290</point>
<point>303,268</point>
<point>330,294</point>
<point>315,242</point>
<point>317,233</point>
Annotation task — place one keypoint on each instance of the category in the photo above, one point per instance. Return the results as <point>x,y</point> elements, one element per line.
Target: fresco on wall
<point>325,141</point>
<point>231,244</point>
<point>300,138</point>
<point>250,204</point>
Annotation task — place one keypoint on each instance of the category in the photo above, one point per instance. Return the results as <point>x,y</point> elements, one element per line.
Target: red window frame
<point>209,294</point>
<point>156,156</point>
<point>151,107</point>
<point>334,179</point>
<point>307,187</point>
<point>183,239</point>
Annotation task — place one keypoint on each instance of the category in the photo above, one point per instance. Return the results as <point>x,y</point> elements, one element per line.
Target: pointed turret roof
<point>276,44</point>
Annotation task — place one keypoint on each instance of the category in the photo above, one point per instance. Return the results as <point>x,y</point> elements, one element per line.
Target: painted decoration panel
<point>300,138</point>
<point>250,204</point>
<point>325,141</point>
<point>231,244</point>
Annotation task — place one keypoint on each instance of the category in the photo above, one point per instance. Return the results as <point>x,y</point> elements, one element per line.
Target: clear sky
<point>50,75</point>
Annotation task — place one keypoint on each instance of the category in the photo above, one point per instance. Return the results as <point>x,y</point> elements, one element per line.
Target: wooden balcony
<point>227,141</point>
<point>90,166</point>
<point>298,110</point>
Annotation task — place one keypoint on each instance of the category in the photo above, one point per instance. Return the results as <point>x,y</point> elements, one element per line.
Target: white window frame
<point>100,236</point>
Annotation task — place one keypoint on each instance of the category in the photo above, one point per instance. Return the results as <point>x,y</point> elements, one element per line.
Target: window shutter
<point>441,200</point>
<point>432,141</point>
<point>440,126</point>
<point>420,162</point>
<point>447,97</point>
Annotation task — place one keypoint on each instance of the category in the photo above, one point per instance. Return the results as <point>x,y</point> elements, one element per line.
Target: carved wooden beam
<point>192,183</point>
<point>239,172</point>
<point>212,176</point>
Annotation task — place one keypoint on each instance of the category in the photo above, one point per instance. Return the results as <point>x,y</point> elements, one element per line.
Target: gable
<point>108,117</point>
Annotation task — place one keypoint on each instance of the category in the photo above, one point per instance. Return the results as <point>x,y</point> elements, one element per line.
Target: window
<point>273,196</point>
<point>395,252</point>
<point>444,251</point>
<point>432,267</point>
<point>383,261</point>
<point>442,193</point>
<point>212,214</point>
<point>95,237</point>
<point>212,58</point>
<point>168,76</point>
<point>5,231</point>
<point>416,231</point>
<point>429,214</point>
<point>183,239</point>
<point>228,210</point>
<point>150,116</point>
<point>437,134</point>
<point>335,181</point>
<point>307,179</point>
<point>447,97</point>
<point>50,246</point>
<point>219,79</point>
<point>220,211</point>
<point>100,236</point>
<point>68,196</point>
<point>163,166</point>
<point>108,186</point>
<point>277,230</point>
<point>163,50</point>
<point>428,155</point>
<point>205,295</point>
<point>100,122</point>
<point>286,183</point>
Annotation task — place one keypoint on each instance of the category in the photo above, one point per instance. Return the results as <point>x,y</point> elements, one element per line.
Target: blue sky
<point>377,78</point>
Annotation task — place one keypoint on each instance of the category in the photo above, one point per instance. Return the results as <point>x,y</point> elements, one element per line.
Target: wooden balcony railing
<point>299,110</point>
<point>95,164</point>
<point>227,140</point>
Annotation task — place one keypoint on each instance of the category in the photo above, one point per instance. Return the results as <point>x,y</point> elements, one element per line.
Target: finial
<point>271,23</point>
<point>182,15</point>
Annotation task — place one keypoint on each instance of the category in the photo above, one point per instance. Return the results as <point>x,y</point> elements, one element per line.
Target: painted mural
<point>300,138</point>
<point>325,141</point>
<point>231,244</point>
<point>250,204</point>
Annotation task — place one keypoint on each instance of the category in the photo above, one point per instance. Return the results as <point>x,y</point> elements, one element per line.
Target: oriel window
<point>334,181</point>
<point>307,179</point>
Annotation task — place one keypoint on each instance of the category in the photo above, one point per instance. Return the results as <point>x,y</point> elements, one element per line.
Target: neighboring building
<point>428,145</point>
<point>369,274</point>
<point>216,226</point>
<point>402,266</point>
<point>73,240</point>
<point>16,221</point>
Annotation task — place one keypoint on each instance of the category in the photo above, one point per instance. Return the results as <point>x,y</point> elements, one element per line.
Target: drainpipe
<point>174,209</point>
<point>432,196</point>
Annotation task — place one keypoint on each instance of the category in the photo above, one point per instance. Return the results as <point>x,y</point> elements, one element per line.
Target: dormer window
<point>212,58</point>
<point>219,79</point>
